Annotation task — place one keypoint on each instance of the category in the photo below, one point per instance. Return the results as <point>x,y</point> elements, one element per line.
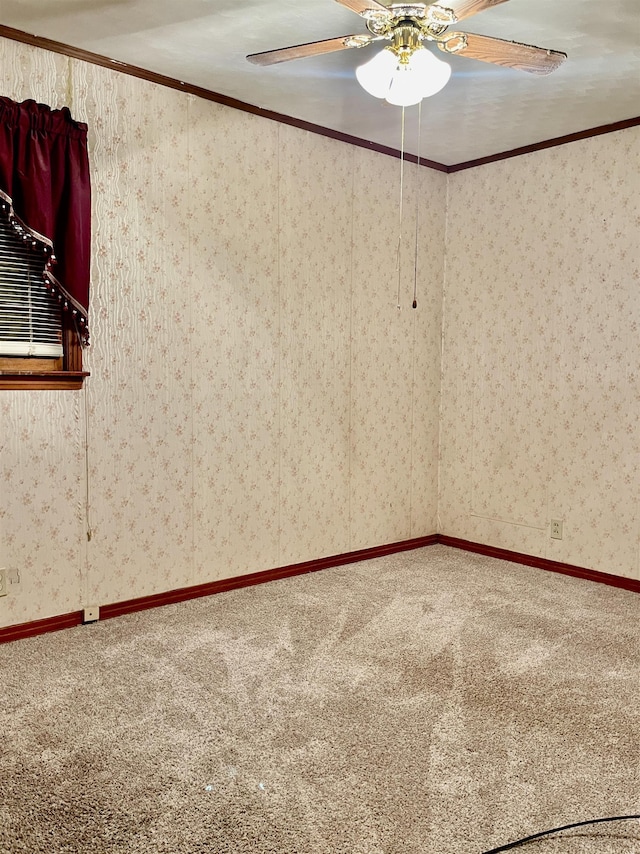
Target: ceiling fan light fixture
<point>375,75</point>
<point>403,83</point>
<point>433,72</point>
<point>405,88</point>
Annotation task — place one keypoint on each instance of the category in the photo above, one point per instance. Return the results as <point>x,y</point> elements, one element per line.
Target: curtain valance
<point>46,191</point>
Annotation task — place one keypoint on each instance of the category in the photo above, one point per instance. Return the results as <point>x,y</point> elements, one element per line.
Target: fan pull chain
<point>417,184</point>
<point>401,205</point>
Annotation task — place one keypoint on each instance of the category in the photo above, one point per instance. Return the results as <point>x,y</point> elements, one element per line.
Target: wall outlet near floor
<point>91,614</point>
<point>556,529</point>
<point>3,582</point>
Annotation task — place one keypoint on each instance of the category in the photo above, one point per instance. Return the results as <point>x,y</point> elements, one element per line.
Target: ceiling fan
<point>406,27</point>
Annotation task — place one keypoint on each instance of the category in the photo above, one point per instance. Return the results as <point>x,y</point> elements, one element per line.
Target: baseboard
<point>40,627</point>
<point>170,597</point>
<point>117,609</point>
<point>542,563</point>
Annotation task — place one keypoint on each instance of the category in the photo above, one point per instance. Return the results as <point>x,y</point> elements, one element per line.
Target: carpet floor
<point>434,701</point>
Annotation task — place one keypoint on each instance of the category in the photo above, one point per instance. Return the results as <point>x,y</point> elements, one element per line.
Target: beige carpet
<point>433,701</point>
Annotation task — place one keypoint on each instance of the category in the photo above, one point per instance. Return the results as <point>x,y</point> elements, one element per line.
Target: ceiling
<point>483,110</point>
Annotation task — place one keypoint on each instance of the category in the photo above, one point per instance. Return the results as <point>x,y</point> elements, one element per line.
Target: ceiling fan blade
<point>284,54</point>
<point>362,6</point>
<point>526,57</point>
<point>465,8</point>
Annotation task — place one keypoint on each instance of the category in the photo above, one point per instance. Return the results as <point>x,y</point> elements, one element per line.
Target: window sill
<point>41,380</point>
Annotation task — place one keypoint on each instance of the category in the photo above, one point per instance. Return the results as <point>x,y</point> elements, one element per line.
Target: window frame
<point>39,373</point>
<point>33,372</point>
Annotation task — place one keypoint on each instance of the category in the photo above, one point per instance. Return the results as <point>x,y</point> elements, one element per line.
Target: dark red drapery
<point>45,187</point>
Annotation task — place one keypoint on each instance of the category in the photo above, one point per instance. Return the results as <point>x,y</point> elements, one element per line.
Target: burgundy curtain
<point>46,191</point>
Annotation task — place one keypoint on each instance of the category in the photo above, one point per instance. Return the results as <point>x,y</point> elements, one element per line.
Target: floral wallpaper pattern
<point>541,378</point>
<point>256,397</point>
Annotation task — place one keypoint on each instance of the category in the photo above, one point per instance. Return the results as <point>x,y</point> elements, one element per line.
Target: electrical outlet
<point>3,582</point>
<point>91,614</point>
<point>556,529</point>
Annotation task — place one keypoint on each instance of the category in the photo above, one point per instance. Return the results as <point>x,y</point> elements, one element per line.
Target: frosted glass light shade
<point>434,74</point>
<point>375,76</point>
<point>403,84</point>
<point>405,88</point>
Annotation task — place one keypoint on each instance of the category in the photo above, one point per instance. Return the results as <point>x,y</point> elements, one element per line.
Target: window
<point>33,331</point>
<point>30,320</point>
<point>45,204</point>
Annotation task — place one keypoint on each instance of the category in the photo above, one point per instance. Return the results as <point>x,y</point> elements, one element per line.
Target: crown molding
<point>209,95</point>
<point>547,143</point>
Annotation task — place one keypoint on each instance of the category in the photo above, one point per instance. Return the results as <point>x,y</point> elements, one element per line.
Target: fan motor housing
<point>413,22</point>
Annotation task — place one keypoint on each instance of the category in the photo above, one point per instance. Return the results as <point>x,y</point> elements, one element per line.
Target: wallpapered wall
<point>541,388</point>
<point>256,397</point>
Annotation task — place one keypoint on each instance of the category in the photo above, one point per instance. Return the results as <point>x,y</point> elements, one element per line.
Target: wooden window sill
<point>41,380</point>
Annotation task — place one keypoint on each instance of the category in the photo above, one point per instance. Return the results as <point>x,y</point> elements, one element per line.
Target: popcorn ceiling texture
<point>434,702</point>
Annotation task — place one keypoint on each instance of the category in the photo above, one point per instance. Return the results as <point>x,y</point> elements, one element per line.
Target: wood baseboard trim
<point>40,627</point>
<point>212,587</point>
<point>170,597</point>
<point>542,563</point>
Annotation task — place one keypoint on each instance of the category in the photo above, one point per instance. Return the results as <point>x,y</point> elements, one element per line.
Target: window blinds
<point>30,321</point>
